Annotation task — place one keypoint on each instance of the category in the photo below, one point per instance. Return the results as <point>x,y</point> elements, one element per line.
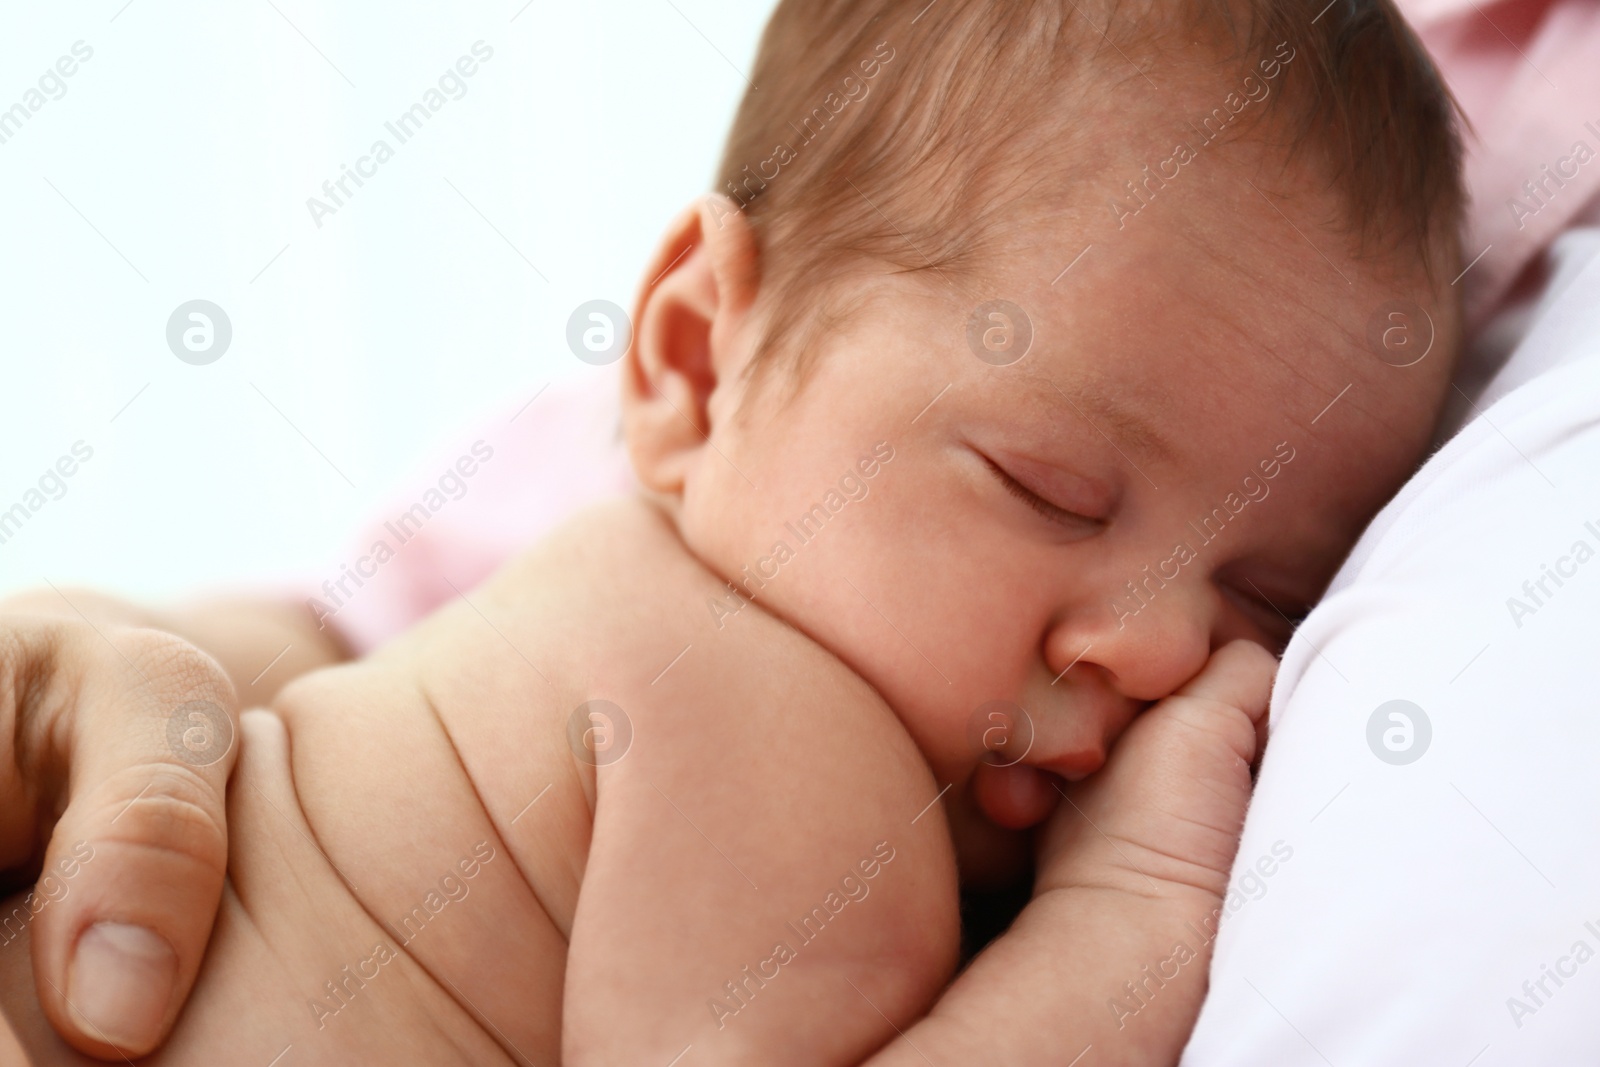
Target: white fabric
<point>1418,899</point>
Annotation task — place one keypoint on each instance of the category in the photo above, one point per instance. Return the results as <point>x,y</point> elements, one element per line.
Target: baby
<point>1035,366</point>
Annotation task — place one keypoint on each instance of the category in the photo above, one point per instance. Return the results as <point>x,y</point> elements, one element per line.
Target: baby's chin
<point>990,819</point>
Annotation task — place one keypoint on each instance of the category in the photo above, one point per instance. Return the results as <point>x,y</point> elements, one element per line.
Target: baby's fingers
<point>1239,675</point>
<point>1174,791</point>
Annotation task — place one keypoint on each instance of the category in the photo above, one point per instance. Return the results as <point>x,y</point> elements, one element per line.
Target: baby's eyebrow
<point>1122,425</point>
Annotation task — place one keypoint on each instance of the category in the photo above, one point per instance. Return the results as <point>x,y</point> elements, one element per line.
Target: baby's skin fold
<point>410,834</point>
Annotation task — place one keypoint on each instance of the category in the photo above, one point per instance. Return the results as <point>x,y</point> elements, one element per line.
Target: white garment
<point>1419,898</point>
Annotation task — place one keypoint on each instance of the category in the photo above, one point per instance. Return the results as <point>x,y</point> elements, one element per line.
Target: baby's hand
<point>1163,816</point>
<point>1112,953</point>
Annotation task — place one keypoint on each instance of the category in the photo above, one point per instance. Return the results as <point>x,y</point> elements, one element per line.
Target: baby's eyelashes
<point>1277,614</point>
<point>1054,513</point>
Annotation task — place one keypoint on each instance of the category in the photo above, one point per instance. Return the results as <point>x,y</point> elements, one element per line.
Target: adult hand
<point>116,743</point>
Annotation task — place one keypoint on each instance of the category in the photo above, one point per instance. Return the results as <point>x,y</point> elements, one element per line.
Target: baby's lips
<point>1073,766</point>
<point>1020,795</point>
<point>1014,797</point>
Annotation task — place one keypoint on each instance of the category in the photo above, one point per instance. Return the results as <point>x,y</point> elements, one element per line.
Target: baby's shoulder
<point>616,601</point>
<point>622,618</point>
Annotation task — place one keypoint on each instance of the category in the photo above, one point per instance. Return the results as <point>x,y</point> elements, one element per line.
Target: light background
<point>177,166</point>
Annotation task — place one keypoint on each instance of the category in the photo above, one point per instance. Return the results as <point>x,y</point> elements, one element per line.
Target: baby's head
<point>1029,352</point>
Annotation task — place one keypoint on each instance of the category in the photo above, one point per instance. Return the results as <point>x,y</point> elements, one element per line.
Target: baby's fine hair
<point>912,134</point>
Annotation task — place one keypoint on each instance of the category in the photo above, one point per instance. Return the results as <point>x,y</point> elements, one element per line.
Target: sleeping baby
<point>1035,366</point>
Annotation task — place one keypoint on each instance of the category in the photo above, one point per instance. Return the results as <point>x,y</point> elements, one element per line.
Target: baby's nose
<point>1141,657</point>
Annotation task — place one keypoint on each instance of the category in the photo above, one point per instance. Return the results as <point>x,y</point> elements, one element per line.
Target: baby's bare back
<point>409,834</point>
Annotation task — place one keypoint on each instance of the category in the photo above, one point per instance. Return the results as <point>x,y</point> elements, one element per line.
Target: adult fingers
<point>129,735</point>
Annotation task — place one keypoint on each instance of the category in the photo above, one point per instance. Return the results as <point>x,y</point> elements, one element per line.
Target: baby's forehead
<point>1220,292</point>
<point>1213,321</point>
<point>1178,357</point>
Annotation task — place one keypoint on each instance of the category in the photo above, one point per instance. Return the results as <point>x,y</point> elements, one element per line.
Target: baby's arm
<point>1113,951</point>
<point>759,887</point>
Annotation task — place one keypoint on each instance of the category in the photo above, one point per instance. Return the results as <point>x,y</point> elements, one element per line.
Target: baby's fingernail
<point>119,983</point>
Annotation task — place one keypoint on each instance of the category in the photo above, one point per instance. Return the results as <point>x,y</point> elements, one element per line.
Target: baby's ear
<point>689,339</point>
